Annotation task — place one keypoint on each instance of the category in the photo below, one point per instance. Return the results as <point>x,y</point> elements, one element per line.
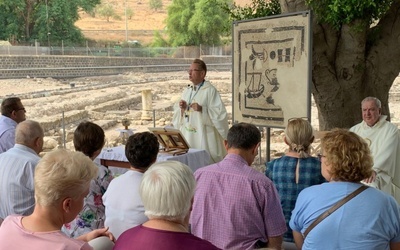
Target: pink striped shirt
<point>235,205</point>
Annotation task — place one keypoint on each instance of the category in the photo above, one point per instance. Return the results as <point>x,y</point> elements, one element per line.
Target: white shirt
<point>124,207</point>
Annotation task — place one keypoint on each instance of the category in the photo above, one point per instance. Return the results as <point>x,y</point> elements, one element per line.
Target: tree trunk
<point>351,63</point>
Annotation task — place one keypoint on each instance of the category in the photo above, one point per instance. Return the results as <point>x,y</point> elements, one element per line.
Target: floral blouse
<point>93,212</point>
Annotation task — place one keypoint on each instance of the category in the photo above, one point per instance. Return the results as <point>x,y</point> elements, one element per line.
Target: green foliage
<point>195,22</point>
<point>10,23</point>
<point>155,4</point>
<point>256,9</point>
<point>51,20</point>
<point>338,12</point>
<point>117,17</point>
<point>57,26</point>
<point>88,5</point>
<point>106,11</point>
<point>159,40</point>
<point>129,13</point>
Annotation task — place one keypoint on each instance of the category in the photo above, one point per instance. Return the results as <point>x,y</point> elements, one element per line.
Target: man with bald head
<point>17,167</point>
<point>12,113</point>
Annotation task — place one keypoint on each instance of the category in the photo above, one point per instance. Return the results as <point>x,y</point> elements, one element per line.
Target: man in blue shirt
<point>12,113</point>
<point>17,167</point>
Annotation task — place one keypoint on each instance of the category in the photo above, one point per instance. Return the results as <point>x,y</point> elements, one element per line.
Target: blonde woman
<point>295,170</point>
<point>62,181</point>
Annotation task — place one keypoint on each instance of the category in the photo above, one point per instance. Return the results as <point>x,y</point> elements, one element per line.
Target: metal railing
<point>115,51</point>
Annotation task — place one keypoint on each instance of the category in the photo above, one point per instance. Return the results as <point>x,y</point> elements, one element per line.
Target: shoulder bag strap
<point>334,208</point>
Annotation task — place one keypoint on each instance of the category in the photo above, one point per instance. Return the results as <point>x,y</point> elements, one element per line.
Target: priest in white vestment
<point>201,115</point>
<point>384,141</point>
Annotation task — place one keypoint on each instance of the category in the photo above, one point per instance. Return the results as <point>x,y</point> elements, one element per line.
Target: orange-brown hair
<point>348,155</point>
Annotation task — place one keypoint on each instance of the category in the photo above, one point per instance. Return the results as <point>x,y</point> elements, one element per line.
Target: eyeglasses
<point>320,156</point>
<point>21,109</point>
<point>191,70</point>
<point>295,118</point>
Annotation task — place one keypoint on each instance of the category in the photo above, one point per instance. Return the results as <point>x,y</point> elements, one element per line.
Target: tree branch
<point>382,57</point>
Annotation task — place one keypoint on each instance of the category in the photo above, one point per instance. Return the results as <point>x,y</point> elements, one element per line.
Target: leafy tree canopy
<point>51,20</point>
<point>350,55</point>
<point>107,11</point>
<point>256,9</point>
<point>338,12</point>
<point>155,4</point>
<point>192,22</point>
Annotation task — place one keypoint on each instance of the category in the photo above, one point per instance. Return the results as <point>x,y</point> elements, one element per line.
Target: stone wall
<point>78,66</point>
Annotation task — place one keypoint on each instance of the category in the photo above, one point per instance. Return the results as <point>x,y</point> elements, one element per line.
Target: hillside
<point>140,27</point>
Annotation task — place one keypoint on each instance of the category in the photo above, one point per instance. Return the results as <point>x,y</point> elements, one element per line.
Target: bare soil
<point>143,19</point>
<point>166,90</point>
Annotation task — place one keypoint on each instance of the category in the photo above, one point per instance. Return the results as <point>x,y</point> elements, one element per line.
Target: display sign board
<point>272,69</point>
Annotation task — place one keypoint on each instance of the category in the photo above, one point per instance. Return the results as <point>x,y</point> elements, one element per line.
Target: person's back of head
<point>141,150</point>
<point>167,189</point>
<point>89,138</point>
<point>29,133</point>
<point>243,136</point>
<point>60,174</point>
<point>299,135</point>
<point>348,155</point>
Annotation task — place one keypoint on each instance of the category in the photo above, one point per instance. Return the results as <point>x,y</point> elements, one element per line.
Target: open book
<point>171,140</point>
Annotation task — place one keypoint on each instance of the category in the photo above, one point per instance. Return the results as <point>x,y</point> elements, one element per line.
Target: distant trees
<point>107,11</point>
<point>155,4</point>
<point>46,21</point>
<point>129,13</point>
<point>195,22</point>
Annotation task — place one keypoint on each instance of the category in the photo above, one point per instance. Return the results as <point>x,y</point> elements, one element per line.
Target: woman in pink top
<point>62,180</point>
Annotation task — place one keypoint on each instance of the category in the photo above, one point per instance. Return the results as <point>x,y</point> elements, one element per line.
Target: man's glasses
<point>21,109</point>
<point>320,156</point>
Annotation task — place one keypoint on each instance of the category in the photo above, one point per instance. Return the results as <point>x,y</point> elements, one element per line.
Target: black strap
<point>334,208</point>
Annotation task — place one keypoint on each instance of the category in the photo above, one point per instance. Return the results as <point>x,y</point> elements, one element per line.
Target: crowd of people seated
<point>342,199</point>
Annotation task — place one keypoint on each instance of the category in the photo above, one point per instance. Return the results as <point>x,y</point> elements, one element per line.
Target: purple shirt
<point>235,205</point>
<point>141,237</point>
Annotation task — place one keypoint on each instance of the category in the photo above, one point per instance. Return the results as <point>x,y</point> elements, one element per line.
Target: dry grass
<point>143,19</point>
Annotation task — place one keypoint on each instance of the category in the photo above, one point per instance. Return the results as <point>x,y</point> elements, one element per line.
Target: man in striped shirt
<point>17,167</point>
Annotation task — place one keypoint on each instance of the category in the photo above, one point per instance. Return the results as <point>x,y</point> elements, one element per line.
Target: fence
<point>112,51</point>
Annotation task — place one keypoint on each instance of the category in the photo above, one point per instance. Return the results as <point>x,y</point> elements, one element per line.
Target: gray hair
<point>374,99</point>
<point>61,174</point>
<point>27,132</point>
<point>167,189</point>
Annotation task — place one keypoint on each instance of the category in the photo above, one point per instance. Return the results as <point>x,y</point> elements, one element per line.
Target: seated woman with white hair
<point>167,190</point>
<point>62,180</point>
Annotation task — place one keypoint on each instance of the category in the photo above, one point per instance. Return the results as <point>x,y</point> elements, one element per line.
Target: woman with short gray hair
<point>167,190</point>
